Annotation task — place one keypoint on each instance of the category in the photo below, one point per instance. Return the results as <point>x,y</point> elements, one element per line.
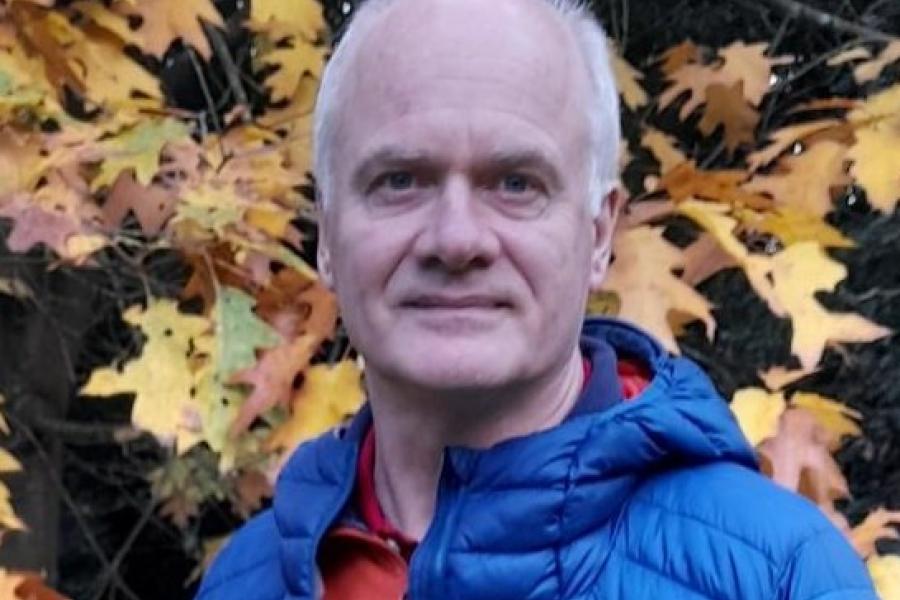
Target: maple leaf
<point>152,205</point>
<point>302,16</point>
<point>293,61</point>
<point>137,149</point>
<point>797,457</point>
<point>329,394</point>
<point>627,80</point>
<point>204,212</point>
<point>25,586</point>
<point>885,572</point>
<point>251,487</point>
<point>34,224</point>
<point>164,21</point>
<point>798,273</point>
<point>804,181</point>
<point>642,277</point>
<point>8,518</point>
<point>725,106</point>
<point>703,259</point>
<point>876,526</point>
<point>876,153</point>
<point>778,378</point>
<point>758,412</point>
<point>161,378</point>
<point>305,317</point>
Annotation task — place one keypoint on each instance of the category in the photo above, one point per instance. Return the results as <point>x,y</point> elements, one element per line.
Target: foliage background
<point>221,207</point>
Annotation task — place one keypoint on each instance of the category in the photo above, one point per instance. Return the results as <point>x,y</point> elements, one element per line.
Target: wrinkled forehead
<point>503,55</point>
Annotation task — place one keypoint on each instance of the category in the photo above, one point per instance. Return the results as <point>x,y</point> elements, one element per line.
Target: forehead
<point>496,72</point>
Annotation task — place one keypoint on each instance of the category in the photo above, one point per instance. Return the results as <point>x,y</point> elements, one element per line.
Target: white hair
<point>603,108</point>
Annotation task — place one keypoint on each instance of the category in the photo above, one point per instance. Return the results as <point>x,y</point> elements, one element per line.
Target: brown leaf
<point>152,205</point>
<point>783,139</point>
<point>685,181</point>
<point>164,21</point>
<point>703,259</point>
<point>798,459</point>
<point>674,58</point>
<point>251,487</point>
<point>725,106</point>
<point>180,509</point>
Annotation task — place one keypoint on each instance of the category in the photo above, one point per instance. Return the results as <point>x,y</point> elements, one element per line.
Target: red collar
<point>633,376</point>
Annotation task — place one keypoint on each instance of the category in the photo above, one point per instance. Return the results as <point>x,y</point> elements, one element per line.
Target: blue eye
<point>399,180</point>
<point>516,183</point>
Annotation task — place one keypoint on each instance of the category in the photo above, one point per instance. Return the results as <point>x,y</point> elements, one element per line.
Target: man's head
<point>466,153</point>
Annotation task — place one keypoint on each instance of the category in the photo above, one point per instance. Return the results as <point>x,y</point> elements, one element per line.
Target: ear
<point>604,227</point>
<point>323,248</point>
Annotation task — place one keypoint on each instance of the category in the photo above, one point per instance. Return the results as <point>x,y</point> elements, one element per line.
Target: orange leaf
<point>725,106</point>
<point>686,181</point>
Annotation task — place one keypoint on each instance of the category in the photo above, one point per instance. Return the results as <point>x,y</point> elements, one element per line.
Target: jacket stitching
<point>795,555</point>
<point>668,576</point>
<point>712,526</point>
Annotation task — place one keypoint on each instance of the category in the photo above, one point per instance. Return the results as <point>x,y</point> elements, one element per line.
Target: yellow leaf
<point>164,21</point>
<point>8,518</point>
<point>758,413</point>
<point>161,378</point>
<point>805,181</point>
<point>642,278</point>
<point>792,226</point>
<point>663,148</point>
<point>834,417</point>
<point>798,273</point>
<point>778,378</point>
<point>627,78</point>
<point>885,572</point>
<point>783,139</point>
<point>293,63</point>
<point>876,153</point>
<point>328,396</point>
<point>300,16</point>
<point>8,462</point>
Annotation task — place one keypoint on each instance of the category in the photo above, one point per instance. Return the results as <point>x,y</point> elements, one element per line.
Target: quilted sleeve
<point>825,567</point>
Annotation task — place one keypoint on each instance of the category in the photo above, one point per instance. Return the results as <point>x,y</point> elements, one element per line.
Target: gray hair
<point>603,114</point>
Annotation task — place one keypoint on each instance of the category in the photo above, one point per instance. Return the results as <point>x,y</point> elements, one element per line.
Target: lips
<point>445,302</point>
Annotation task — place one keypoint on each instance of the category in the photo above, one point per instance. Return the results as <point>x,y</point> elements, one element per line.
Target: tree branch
<point>802,11</point>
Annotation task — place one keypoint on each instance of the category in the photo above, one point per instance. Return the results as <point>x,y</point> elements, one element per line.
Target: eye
<point>398,180</point>
<point>516,183</point>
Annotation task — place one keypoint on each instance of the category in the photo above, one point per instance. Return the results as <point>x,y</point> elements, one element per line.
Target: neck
<point>414,427</point>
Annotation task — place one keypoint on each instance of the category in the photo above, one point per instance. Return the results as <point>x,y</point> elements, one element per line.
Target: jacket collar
<point>595,458</point>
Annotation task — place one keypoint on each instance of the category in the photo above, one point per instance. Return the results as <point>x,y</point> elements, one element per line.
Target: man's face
<point>457,233</point>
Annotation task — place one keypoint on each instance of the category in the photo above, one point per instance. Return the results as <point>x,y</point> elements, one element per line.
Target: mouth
<point>438,302</point>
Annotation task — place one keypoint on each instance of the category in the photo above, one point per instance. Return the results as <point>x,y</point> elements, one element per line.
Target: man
<point>466,152</point>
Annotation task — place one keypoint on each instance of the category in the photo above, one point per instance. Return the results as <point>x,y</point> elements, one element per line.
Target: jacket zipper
<point>429,562</point>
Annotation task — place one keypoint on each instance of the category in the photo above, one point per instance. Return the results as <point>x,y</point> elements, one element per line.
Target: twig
<point>204,87</point>
<point>70,504</point>
<point>803,11</point>
<point>232,73</point>
<point>111,571</point>
<point>86,433</point>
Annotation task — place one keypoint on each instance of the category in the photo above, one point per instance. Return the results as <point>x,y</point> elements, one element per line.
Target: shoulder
<point>705,522</point>
<point>248,565</point>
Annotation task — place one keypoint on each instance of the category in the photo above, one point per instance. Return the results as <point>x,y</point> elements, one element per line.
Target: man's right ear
<point>323,252</point>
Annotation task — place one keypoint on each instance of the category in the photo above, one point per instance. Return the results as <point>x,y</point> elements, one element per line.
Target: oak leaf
<point>703,259</point>
<point>628,81</point>
<point>303,17</point>
<point>792,226</point>
<point>726,107</point>
<point>329,394</point>
<point>152,205</point>
<point>642,277</point>
<point>878,524</point>
<point>680,55</point>
<point>685,181</point>
<point>804,181</point>
<point>798,273</point>
<point>663,149</point>
<point>876,153</point>
<point>871,69</point>
<point>797,457</point>
<point>785,138</point>
<point>885,572</point>
<point>758,412</point>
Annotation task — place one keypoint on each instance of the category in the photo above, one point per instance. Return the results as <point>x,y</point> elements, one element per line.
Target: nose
<point>458,236</point>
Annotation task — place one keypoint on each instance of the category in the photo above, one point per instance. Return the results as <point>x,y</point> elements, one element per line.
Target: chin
<point>457,368</point>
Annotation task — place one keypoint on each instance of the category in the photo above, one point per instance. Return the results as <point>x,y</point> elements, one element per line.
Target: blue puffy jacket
<point>657,498</point>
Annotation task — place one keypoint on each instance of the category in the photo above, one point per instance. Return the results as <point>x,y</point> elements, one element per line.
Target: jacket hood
<point>529,495</point>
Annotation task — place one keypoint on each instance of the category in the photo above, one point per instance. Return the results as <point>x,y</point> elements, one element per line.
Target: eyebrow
<point>496,160</point>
